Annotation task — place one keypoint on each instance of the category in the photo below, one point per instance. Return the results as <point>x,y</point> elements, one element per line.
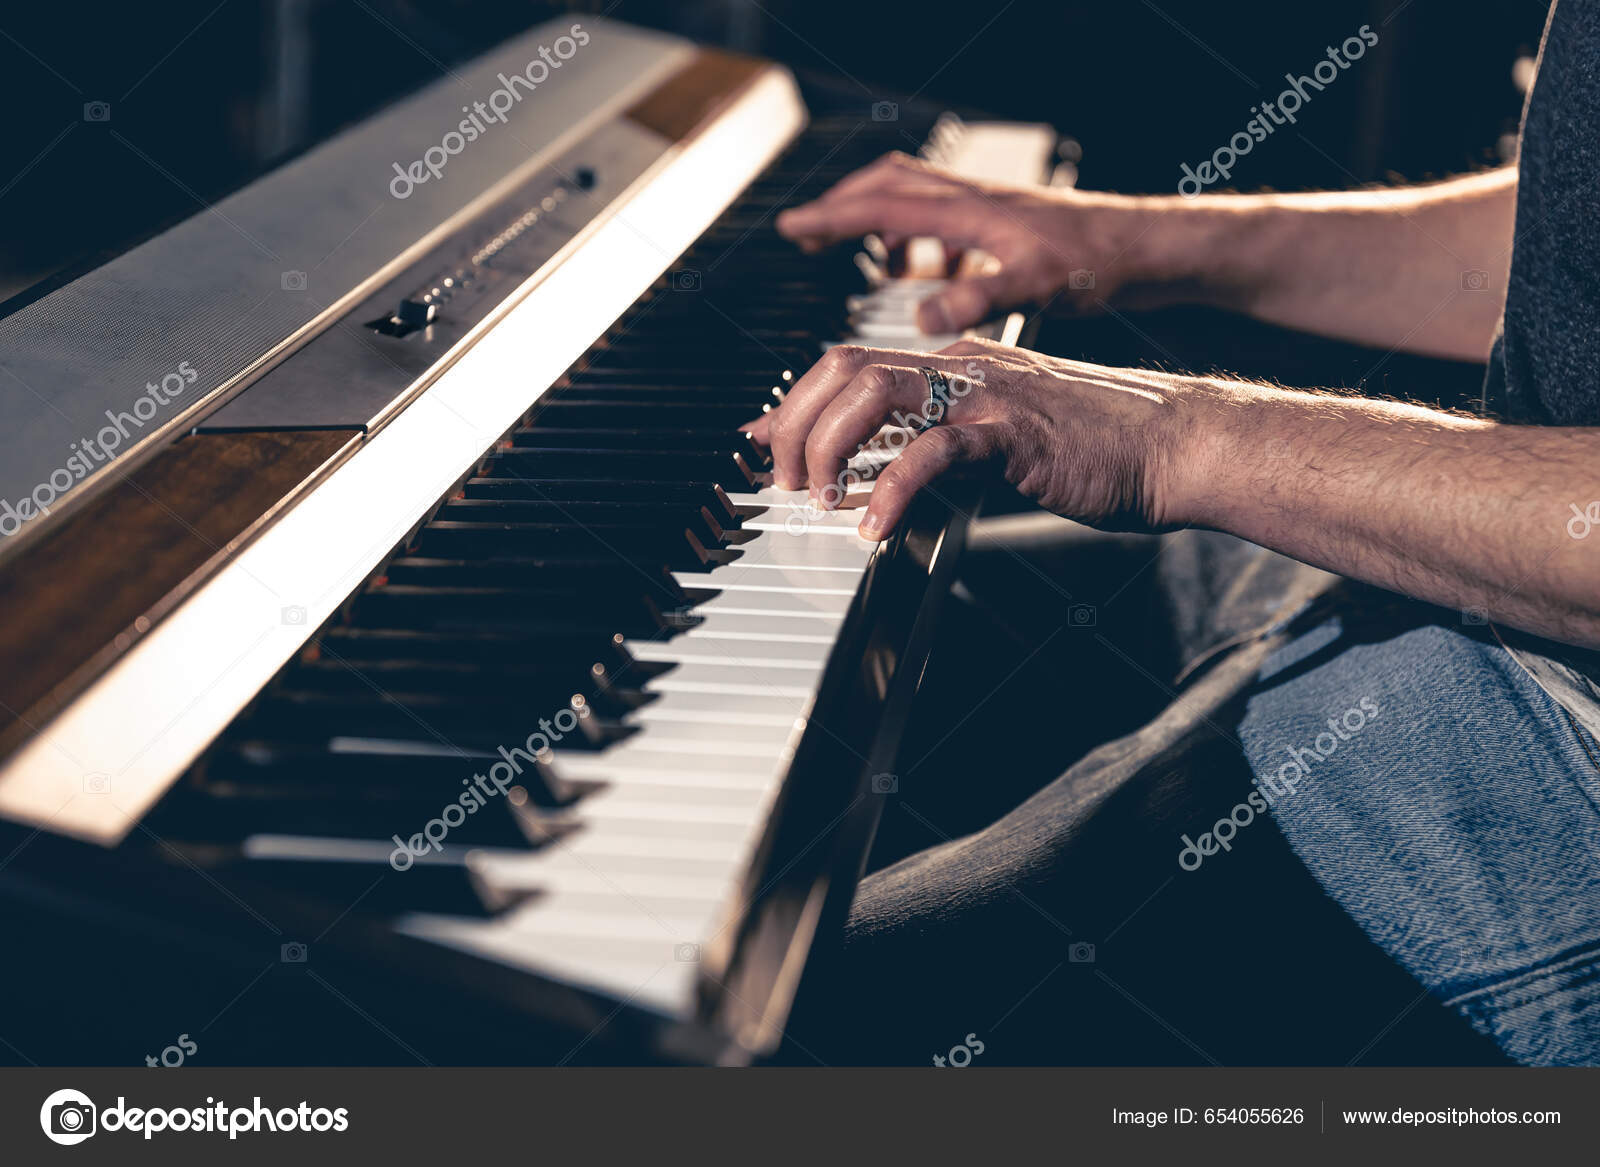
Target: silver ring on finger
<point>938,404</point>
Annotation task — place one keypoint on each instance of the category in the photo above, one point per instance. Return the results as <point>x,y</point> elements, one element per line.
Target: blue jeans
<point>1452,809</point>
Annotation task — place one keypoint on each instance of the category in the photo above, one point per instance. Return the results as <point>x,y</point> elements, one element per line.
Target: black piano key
<point>310,716</point>
<point>384,768</point>
<point>644,411</point>
<point>360,873</point>
<point>671,544</point>
<point>697,494</point>
<point>526,572</point>
<point>728,470</point>
<point>706,527</point>
<point>467,607</point>
<point>234,810</point>
<point>548,435</point>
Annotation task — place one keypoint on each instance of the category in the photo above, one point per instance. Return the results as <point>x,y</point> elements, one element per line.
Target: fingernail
<point>932,317</point>
<point>870,530</point>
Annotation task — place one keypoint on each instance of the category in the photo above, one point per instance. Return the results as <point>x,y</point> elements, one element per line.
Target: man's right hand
<point>1076,250</point>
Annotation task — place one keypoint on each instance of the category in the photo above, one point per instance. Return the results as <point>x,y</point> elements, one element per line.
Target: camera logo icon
<point>293,953</point>
<point>294,281</point>
<point>885,111</point>
<point>1082,279</point>
<point>294,614</point>
<point>686,953</point>
<point>1474,281</point>
<point>885,784</point>
<point>686,280</point>
<point>1478,616</point>
<point>98,782</point>
<point>97,111</point>
<point>67,1117</point>
<point>1081,953</point>
<point>1082,616</point>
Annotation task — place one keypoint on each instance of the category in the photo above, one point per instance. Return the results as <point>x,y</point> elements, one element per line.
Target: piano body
<point>433,653</point>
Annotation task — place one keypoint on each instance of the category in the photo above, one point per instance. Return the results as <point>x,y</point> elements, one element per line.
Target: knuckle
<point>875,383</point>
<point>944,441</point>
<point>844,359</point>
<point>782,429</point>
<point>966,347</point>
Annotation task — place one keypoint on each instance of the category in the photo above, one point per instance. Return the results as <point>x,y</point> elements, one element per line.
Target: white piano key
<point>788,500</point>
<point>712,651</point>
<point>722,744</point>
<point>680,734</point>
<point>828,610</point>
<point>640,766</point>
<point>891,327</point>
<point>648,841</point>
<point>923,342</point>
<point>516,871</point>
<point>811,523</point>
<point>644,819</point>
<point>763,708</point>
<point>627,926</point>
<point>712,639</point>
<point>777,577</point>
<point>804,552</point>
<point>657,805</point>
<point>726,683</point>
<point>743,626</point>
<point>651,979</point>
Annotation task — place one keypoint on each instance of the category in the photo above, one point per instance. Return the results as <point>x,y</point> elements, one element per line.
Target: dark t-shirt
<point>1545,368</point>
<point>1546,363</point>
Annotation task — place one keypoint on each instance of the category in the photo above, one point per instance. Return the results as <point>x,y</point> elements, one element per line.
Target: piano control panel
<point>418,322</point>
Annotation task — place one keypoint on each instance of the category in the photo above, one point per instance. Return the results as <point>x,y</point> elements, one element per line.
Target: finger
<point>759,428</point>
<point>793,421</point>
<point>920,463</point>
<point>895,172</point>
<point>880,394</point>
<point>832,220</point>
<point>967,301</point>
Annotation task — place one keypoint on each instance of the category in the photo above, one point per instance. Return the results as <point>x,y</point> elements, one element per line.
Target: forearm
<point>1463,513</point>
<point>1421,269</point>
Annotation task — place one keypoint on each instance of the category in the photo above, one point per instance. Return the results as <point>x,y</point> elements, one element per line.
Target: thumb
<point>964,302</point>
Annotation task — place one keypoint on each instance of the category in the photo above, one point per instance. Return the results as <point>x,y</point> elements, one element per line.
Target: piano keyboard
<point>620,555</point>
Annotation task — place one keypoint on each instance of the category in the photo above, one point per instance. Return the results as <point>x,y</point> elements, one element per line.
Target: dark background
<point>203,95</point>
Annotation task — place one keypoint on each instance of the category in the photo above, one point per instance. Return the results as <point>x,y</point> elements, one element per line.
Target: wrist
<point>1215,250</point>
<point>1200,462</point>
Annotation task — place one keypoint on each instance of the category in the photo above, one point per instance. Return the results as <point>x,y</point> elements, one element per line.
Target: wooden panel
<point>87,590</point>
<point>693,95</point>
